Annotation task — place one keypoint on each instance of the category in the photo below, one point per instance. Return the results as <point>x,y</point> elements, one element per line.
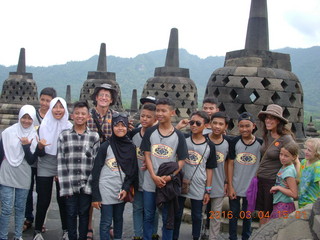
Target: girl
<point>198,169</point>
<point>309,186</point>
<point>285,189</point>
<point>17,150</point>
<point>54,122</point>
<point>115,169</point>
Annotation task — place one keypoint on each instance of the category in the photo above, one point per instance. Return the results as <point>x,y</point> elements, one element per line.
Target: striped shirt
<point>76,153</point>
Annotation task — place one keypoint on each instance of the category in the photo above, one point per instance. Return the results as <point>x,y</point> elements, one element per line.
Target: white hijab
<point>50,128</point>
<point>10,137</point>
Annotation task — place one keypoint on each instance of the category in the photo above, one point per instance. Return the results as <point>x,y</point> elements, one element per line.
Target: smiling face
<point>26,121</point>
<point>45,102</point>
<point>218,126</point>
<point>194,122</point>
<point>246,128</point>
<point>120,130</point>
<point>271,122</point>
<point>104,98</point>
<point>210,108</point>
<point>164,113</point>
<point>58,111</point>
<point>286,158</point>
<point>80,116</point>
<point>147,118</point>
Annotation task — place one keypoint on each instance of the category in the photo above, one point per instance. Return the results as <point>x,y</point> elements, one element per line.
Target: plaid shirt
<point>105,123</point>
<point>76,153</point>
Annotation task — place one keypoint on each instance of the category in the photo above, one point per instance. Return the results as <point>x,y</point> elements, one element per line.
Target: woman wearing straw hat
<point>275,135</point>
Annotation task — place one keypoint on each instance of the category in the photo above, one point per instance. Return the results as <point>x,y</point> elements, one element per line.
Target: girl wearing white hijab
<point>53,123</point>
<point>17,153</point>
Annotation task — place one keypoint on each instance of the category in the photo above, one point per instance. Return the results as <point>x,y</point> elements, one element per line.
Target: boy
<point>210,106</point>
<point>46,95</point>
<point>147,120</point>
<point>77,148</point>
<point>219,124</point>
<point>198,170</point>
<point>161,144</point>
<point>242,167</point>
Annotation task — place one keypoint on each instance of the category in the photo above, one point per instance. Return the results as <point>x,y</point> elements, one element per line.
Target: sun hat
<point>273,110</point>
<point>105,86</point>
<point>148,99</point>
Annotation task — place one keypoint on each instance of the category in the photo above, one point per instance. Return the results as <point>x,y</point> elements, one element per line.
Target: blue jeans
<point>233,222</point>
<point>196,216</point>
<point>78,205</point>
<point>29,205</point>
<point>108,213</point>
<point>137,214</point>
<point>149,203</point>
<point>12,197</point>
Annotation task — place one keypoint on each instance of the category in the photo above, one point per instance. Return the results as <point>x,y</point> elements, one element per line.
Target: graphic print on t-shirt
<point>246,158</point>
<point>194,158</point>
<point>161,151</point>
<point>112,164</point>
<point>140,155</point>
<point>220,157</point>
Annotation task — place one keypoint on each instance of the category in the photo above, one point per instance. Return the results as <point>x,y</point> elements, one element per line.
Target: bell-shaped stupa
<point>255,77</point>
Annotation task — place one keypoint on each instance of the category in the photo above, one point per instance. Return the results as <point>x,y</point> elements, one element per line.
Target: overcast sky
<point>55,32</point>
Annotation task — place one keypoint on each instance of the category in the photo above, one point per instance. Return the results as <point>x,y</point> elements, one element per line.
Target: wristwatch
<point>172,176</point>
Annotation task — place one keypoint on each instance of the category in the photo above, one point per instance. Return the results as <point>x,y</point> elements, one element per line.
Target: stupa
<point>255,77</point>
<point>173,82</point>
<point>96,78</point>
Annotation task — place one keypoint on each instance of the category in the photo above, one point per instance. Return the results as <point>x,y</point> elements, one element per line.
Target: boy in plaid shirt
<point>77,148</point>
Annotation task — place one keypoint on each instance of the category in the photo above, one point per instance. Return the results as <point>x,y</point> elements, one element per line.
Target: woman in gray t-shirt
<point>17,153</point>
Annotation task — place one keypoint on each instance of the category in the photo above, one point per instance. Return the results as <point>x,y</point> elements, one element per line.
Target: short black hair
<point>203,115</point>
<point>80,104</point>
<point>49,91</point>
<point>166,101</point>
<point>220,115</point>
<point>149,106</point>
<point>211,100</point>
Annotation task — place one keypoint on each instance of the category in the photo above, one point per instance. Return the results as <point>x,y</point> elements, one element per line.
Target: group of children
<point>156,159</point>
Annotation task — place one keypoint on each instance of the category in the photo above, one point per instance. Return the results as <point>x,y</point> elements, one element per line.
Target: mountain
<point>133,72</point>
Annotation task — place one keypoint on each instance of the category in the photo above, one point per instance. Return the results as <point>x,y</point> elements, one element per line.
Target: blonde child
<point>285,189</point>
<point>309,186</point>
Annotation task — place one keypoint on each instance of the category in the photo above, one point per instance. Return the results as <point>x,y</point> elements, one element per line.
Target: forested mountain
<point>133,72</point>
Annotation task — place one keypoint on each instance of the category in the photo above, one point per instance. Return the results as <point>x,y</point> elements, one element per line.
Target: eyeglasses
<point>104,95</point>
<point>121,114</point>
<point>192,122</point>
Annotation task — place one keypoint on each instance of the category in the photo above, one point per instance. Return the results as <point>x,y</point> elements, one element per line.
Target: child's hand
<point>182,124</point>
<point>225,190</point>
<point>25,141</point>
<point>96,205</point>
<point>159,181</point>
<point>144,166</point>
<point>231,193</point>
<point>122,195</point>
<point>42,143</point>
<point>206,199</point>
<point>274,189</point>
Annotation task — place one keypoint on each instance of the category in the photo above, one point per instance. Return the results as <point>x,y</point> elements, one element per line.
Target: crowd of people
<point>99,160</point>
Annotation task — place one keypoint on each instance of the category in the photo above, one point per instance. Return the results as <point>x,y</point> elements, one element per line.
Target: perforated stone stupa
<point>96,78</point>
<point>255,77</point>
<point>19,89</point>
<point>173,82</point>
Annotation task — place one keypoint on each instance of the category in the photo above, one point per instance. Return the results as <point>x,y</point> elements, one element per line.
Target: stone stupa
<point>19,89</point>
<point>173,82</point>
<point>255,77</point>
<point>96,78</point>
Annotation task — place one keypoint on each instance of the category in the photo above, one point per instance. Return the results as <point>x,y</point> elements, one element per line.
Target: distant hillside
<point>133,72</point>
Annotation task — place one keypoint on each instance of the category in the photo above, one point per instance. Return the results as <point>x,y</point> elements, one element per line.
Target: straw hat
<point>273,110</point>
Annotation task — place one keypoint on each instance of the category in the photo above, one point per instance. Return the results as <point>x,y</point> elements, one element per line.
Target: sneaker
<point>38,236</point>
<point>155,237</point>
<point>65,235</point>
<point>137,238</point>
<point>20,238</point>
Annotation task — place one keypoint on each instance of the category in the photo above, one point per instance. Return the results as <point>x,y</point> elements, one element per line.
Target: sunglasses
<point>192,122</point>
<point>121,114</point>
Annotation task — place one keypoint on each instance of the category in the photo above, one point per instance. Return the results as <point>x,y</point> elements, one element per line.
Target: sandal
<point>26,225</point>
<point>90,234</point>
